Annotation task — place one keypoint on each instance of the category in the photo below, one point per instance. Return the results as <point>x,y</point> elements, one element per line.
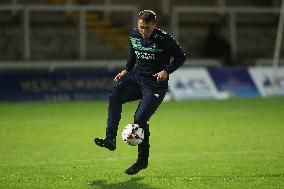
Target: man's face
<point>146,29</point>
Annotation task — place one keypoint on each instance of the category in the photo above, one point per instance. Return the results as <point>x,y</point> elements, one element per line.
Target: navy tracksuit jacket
<point>147,57</point>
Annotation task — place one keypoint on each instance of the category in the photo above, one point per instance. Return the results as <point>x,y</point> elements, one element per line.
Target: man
<point>154,54</point>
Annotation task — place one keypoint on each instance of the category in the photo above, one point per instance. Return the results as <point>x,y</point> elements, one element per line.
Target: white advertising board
<point>192,83</point>
<point>265,81</point>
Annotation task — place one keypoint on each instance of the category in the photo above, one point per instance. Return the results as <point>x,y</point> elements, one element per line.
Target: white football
<point>132,134</point>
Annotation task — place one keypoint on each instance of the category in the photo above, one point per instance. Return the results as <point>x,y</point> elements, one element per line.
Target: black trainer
<point>106,143</point>
<point>136,167</point>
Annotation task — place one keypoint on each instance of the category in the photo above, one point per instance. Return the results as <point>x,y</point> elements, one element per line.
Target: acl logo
<point>279,82</point>
<point>195,84</point>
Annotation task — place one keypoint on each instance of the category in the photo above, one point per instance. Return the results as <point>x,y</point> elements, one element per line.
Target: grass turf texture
<point>194,144</point>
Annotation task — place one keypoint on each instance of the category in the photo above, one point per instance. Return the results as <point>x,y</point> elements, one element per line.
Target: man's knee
<point>141,118</point>
<point>114,95</point>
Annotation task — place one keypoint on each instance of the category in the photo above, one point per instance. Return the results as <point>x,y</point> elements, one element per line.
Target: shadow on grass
<point>272,175</point>
<point>134,182</point>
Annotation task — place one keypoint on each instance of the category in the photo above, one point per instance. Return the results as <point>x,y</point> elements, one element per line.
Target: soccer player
<point>154,54</point>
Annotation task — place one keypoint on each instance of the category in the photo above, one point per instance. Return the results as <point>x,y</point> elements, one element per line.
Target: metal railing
<point>175,18</point>
<point>81,9</point>
<point>233,17</point>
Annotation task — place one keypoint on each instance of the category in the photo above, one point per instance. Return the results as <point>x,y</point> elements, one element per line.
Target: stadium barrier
<point>53,81</point>
<point>223,83</point>
<point>56,85</point>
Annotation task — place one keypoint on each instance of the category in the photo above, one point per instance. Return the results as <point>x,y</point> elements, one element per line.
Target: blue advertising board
<point>235,81</point>
<point>96,84</point>
<point>63,85</point>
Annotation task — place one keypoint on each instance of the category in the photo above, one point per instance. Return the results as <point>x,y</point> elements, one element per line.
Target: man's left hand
<point>161,76</point>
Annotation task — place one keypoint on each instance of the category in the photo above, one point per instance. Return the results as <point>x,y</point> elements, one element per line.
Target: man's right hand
<point>121,75</point>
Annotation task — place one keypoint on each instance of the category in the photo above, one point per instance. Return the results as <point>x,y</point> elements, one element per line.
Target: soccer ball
<point>132,134</point>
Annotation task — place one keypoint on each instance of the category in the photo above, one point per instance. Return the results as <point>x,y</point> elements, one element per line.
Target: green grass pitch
<point>236,143</point>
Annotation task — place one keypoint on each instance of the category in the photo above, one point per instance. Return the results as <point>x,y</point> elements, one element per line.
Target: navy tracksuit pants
<point>130,89</point>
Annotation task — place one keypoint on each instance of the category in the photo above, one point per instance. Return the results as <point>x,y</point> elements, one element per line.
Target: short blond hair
<point>147,16</point>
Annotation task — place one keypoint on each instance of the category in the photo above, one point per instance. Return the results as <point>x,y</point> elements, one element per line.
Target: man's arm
<point>129,65</point>
<point>177,53</point>
<point>131,59</point>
